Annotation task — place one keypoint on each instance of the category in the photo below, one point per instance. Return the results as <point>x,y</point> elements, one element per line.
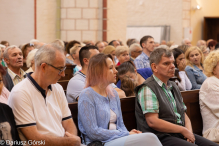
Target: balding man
<point>14,58</point>
<point>114,43</point>
<point>39,103</point>
<point>187,42</point>
<point>201,43</point>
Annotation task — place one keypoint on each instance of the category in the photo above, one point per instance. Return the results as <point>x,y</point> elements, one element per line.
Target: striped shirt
<point>16,78</point>
<point>149,102</point>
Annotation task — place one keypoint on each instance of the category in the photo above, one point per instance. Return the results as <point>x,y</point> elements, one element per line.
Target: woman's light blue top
<point>196,76</point>
<point>94,116</point>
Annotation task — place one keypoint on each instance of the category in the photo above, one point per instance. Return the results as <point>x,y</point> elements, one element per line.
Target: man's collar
<point>145,55</point>
<point>13,75</point>
<point>162,84</point>
<point>42,91</point>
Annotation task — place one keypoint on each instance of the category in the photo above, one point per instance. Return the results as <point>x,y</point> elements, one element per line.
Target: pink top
<point>4,96</point>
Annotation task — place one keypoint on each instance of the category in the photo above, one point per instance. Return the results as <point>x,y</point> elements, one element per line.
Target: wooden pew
<point>68,72</point>
<point>191,100</point>
<point>74,111</point>
<point>128,112</point>
<point>64,84</point>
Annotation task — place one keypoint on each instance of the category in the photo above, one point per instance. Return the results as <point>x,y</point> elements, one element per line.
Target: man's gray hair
<point>47,54</point>
<point>157,54</point>
<point>184,41</point>
<point>8,48</point>
<point>133,47</point>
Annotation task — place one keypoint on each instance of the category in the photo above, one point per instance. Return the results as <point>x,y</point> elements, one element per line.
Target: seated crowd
<point>34,107</point>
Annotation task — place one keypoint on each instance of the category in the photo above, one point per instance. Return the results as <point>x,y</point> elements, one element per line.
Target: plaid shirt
<point>15,78</point>
<point>142,61</point>
<point>149,102</point>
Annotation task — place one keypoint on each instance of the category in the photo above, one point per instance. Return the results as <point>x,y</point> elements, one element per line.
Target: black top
<point>8,130</point>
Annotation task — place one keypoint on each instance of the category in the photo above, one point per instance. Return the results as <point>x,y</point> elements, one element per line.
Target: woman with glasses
<point>99,111</point>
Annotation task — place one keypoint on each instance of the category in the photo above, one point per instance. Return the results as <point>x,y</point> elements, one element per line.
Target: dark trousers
<point>175,141</point>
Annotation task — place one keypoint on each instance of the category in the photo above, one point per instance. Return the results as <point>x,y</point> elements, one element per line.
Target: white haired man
<point>187,42</point>
<point>39,103</point>
<point>135,50</point>
<point>14,58</point>
<point>201,43</point>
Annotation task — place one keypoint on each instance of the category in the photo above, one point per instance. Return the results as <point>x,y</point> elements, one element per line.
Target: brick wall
<point>16,21</point>
<point>157,12</point>
<point>81,20</point>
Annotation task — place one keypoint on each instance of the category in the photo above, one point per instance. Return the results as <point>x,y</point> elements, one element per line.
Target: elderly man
<point>77,83</point>
<point>14,59</point>
<point>114,43</point>
<point>142,61</point>
<point>187,42</point>
<point>160,108</point>
<point>135,50</point>
<point>201,43</point>
<point>39,103</point>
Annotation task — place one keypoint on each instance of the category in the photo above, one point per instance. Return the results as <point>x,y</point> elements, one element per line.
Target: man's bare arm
<point>69,126</point>
<point>31,133</point>
<point>155,123</point>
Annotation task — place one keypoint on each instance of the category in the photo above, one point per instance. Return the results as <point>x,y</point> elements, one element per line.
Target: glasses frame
<point>60,70</point>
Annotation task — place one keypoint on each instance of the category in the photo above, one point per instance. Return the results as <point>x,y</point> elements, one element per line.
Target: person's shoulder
<point>24,85</point>
<point>147,69</point>
<point>188,67</point>
<point>56,87</point>
<point>86,94</point>
<point>79,76</point>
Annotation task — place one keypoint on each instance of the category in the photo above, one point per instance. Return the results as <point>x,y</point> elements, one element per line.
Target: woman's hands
<point>134,131</point>
<point>181,65</point>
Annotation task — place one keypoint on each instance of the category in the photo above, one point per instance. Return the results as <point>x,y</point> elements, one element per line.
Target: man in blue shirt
<point>142,61</point>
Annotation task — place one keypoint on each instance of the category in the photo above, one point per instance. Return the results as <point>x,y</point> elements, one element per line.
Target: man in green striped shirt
<point>160,108</point>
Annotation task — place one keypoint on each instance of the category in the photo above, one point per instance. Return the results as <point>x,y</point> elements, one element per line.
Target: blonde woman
<point>194,68</point>
<point>74,52</point>
<point>122,54</point>
<point>110,50</point>
<point>209,97</point>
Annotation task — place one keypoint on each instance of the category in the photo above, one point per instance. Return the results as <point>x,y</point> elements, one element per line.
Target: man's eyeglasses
<point>139,52</point>
<point>31,44</point>
<point>60,70</point>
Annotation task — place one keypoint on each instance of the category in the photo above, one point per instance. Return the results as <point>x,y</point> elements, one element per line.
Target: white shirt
<point>209,101</point>
<point>31,107</point>
<point>185,83</point>
<point>113,117</point>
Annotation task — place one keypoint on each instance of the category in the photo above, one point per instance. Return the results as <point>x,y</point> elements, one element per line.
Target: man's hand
<point>188,135</point>
<point>134,131</point>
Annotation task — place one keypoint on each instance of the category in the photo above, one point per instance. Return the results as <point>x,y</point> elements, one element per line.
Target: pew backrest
<point>191,100</point>
<point>68,72</point>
